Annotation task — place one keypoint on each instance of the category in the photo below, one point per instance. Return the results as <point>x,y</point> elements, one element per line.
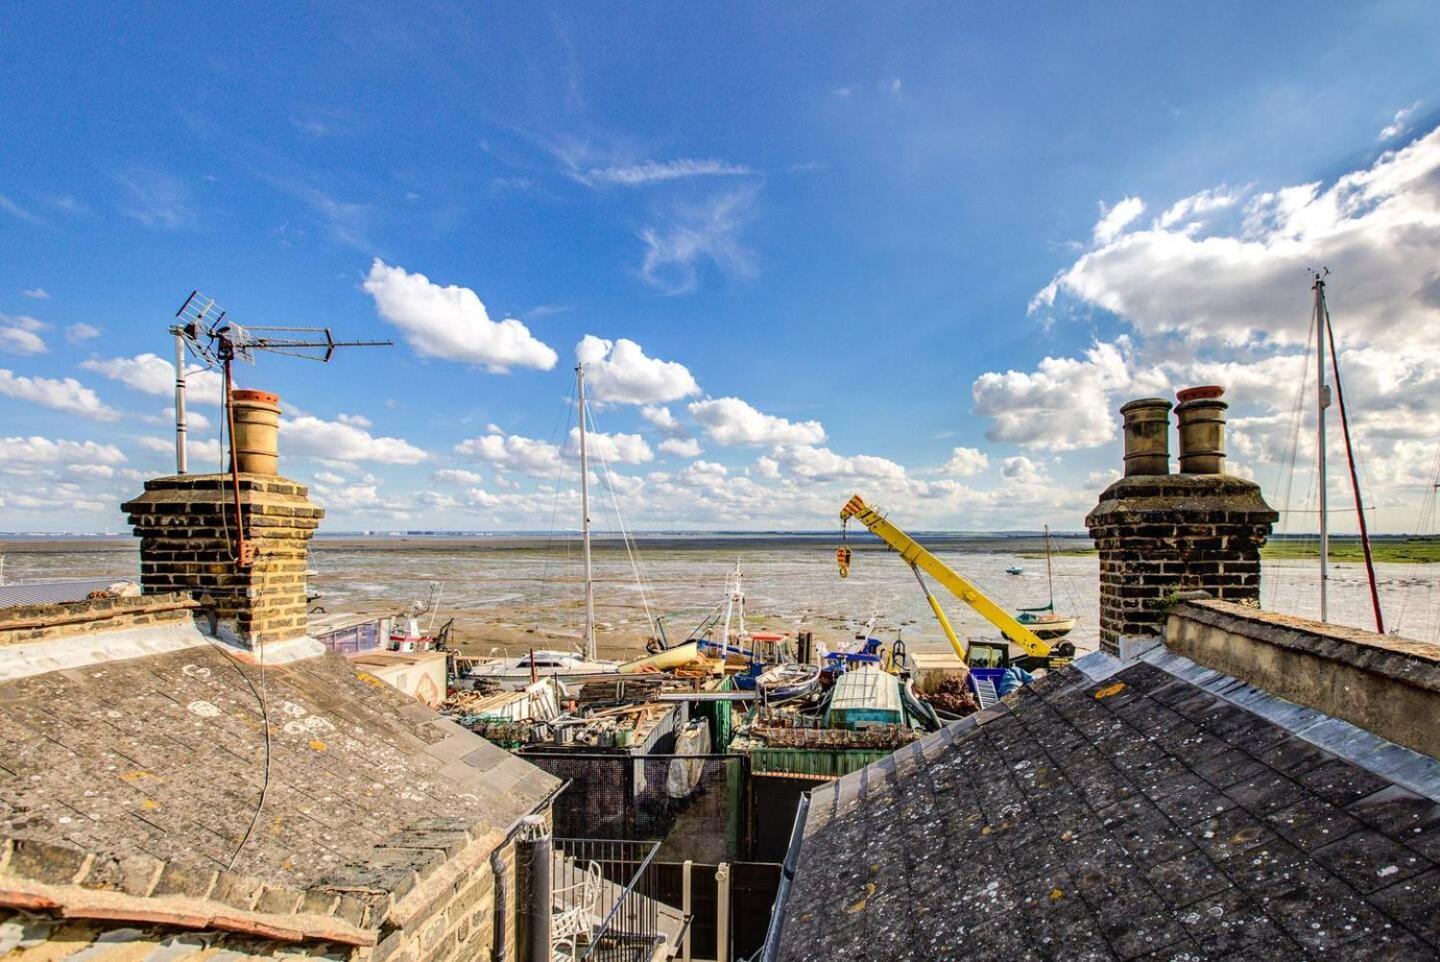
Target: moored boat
<point>783,682</point>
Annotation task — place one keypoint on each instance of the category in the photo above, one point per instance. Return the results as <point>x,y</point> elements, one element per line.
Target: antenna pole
<point>179,404</point>
<point>585,521</point>
<point>1322,400</point>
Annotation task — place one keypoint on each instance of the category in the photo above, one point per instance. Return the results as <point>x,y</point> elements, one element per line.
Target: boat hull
<point>676,657</point>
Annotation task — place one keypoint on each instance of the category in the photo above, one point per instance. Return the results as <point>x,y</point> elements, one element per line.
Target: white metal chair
<point>573,917</point>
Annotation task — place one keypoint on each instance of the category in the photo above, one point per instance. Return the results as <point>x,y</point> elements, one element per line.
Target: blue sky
<point>922,251</point>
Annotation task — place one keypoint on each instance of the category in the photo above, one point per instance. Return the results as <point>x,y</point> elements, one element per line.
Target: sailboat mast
<point>1322,402</point>
<point>585,521</point>
<point>1049,571</point>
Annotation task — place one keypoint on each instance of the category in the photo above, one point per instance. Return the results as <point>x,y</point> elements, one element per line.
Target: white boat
<point>566,666</point>
<point>1014,570</point>
<point>784,682</point>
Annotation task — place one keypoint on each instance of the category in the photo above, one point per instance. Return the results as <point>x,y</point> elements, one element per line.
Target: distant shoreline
<point>1396,549</point>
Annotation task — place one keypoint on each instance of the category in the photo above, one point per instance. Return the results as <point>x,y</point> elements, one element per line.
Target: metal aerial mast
<point>217,343</point>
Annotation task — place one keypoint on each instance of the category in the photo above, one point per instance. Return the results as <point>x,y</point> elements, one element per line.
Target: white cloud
<point>514,453</point>
<point>355,420</point>
<point>37,293</point>
<point>456,476</point>
<point>152,374</point>
<point>194,420</point>
<point>619,372</point>
<point>965,462</point>
<point>328,477</point>
<point>98,472</point>
<point>1066,403</point>
<point>21,213</point>
<point>1399,123</point>
<point>203,454</point>
<point>1377,229</point>
<point>613,448</point>
<point>818,464</point>
<point>452,323</point>
<point>1114,220</point>
<point>62,395</point>
<point>652,172</point>
<point>335,441</point>
<point>38,450</point>
<point>696,233</point>
<point>1193,210</point>
<point>663,421</point>
<point>681,447</point>
<point>729,420</point>
<point>1021,470</point>
<point>80,333</point>
<point>17,340</point>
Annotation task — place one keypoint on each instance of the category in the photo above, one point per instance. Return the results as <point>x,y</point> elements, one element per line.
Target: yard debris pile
<point>953,697</point>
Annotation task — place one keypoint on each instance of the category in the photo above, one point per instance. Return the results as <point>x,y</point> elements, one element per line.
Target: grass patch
<point>1392,550</point>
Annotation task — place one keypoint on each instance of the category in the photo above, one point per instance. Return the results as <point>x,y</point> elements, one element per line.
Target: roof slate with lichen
<point>164,756</point>
<point>1138,816</point>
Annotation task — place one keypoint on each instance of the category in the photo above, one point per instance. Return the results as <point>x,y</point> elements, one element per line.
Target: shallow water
<point>518,593</point>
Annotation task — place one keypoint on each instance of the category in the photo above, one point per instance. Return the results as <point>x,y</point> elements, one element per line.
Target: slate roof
<point>165,756</point>
<point>1141,815</point>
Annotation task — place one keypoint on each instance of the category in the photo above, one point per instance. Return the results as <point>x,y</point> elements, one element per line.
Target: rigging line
<point>1354,477</point>
<point>1285,470</point>
<point>624,535</point>
<point>548,553</point>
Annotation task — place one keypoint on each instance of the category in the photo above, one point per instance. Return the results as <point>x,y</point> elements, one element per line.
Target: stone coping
<point>93,609</point>
<point>1414,663</point>
<point>394,885</point>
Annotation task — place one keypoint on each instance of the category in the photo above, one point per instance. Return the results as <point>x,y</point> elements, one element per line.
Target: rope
<point>624,535</point>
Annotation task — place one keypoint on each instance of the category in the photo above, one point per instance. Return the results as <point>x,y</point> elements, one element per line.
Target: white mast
<point>1322,402</point>
<point>179,404</point>
<point>585,522</point>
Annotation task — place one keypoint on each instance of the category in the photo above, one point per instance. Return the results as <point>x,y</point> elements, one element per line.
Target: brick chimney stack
<point>1160,533</point>
<point>188,537</point>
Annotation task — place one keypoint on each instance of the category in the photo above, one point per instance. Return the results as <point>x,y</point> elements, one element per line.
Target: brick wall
<point>27,623</point>
<point>1159,535</point>
<point>186,526</point>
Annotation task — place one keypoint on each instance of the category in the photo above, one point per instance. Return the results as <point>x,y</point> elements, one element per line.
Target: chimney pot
<point>1147,436</point>
<point>1201,415</point>
<point>257,432</point>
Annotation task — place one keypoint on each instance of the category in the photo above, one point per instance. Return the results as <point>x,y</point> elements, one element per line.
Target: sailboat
<point>581,664</point>
<point>1043,620</point>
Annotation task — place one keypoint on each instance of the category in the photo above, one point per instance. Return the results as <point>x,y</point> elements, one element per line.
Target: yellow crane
<point>1038,652</point>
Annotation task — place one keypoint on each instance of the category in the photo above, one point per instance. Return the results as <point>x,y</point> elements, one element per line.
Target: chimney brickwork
<point>189,540</point>
<point>1160,534</point>
<point>186,526</point>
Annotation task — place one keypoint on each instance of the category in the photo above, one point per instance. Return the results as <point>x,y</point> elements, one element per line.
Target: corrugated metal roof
<point>54,592</point>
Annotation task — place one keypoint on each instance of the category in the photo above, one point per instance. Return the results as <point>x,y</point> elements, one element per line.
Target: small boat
<point>783,682</point>
<point>1014,570</point>
<point>665,658</point>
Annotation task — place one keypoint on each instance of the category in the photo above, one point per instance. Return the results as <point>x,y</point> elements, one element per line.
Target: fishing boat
<point>565,666</point>
<point>1042,620</point>
<point>783,682</point>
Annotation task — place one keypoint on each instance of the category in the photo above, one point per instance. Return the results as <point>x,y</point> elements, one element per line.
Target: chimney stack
<point>188,536</point>
<point>1160,534</point>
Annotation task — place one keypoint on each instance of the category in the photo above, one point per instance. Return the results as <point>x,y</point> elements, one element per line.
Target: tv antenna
<point>204,329</point>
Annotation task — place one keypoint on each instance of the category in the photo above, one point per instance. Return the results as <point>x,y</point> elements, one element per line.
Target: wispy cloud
<point>1399,123</point>
<point>651,172</point>
<point>694,234</point>
<point>20,213</point>
<point>346,222</point>
<point>156,199</point>
<point>37,293</point>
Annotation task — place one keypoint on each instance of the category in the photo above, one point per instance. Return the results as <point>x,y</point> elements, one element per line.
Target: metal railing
<point>605,904</point>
